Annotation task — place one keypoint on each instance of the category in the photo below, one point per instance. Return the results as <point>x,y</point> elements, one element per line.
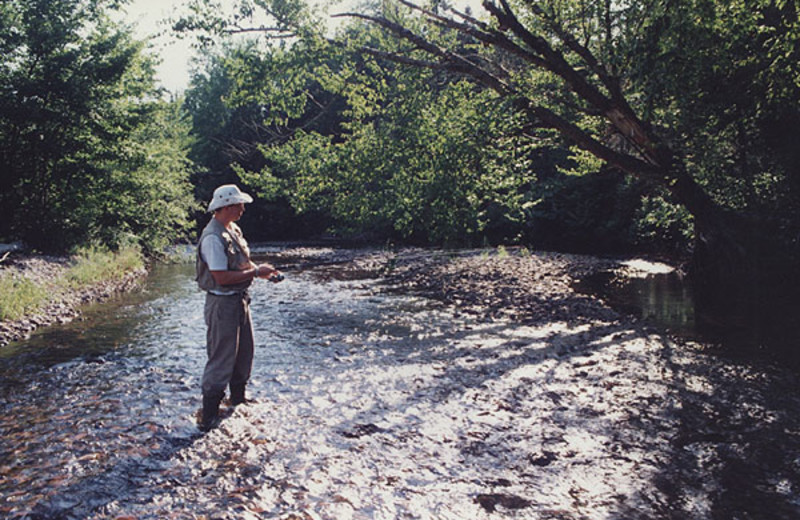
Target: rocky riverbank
<point>498,283</point>
<point>65,302</point>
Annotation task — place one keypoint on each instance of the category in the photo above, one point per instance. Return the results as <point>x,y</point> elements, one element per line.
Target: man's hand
<point>269,272</point>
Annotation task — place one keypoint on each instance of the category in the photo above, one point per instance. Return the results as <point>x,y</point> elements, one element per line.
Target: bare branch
<point>610,82</point>
<point>480,32</point>
<point>554,61</point>
<point>625,162</point>
<point>548,118</point>
<point>616,110</point>
<point>645,157</point>
<point>278,32</point>
<point>405,60</point>
<point>451,60</point>
<point>469,19</point>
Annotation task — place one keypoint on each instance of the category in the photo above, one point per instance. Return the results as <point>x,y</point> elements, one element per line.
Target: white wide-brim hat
<point>227,195</point>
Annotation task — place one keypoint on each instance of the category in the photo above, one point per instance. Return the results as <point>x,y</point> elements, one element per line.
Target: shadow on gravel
<point>124,476</point>
<point>683,434</point>
<point>507,404</point>
<point>735,451</point>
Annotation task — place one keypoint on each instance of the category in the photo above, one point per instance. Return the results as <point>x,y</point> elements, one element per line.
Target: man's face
<point>234,211</point>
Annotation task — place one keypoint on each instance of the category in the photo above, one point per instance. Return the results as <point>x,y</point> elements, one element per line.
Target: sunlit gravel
<point>377,405</point>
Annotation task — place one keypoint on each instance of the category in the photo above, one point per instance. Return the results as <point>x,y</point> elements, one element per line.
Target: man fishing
<point>225,271</point>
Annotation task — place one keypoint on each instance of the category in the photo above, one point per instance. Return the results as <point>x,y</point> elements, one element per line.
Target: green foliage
<point>661,225</point>
<point>431,166</point>
<point>19,296</point>
<point>723,79</point>
<point>146,191</point>
<point>394,151</point>
<point>85,147</point>
<point>237,110</point>
<point>210,20</point>
<point>585,213</point>
<point>381,149</point>
<point>719,82</point>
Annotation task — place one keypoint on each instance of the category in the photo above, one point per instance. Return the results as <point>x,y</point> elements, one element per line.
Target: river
<point>374,405</point>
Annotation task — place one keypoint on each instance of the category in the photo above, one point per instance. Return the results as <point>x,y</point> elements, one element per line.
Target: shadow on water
<point>393,401</point>
<point>665,301</point>
<point>733,426</point>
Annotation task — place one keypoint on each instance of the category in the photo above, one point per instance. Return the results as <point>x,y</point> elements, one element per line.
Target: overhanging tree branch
<point>615,108</point>
<point>448,59</point>
<point>651,160</point>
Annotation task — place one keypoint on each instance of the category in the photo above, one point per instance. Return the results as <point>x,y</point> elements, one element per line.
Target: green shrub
<point>19,296</point>
<point>94,264</point>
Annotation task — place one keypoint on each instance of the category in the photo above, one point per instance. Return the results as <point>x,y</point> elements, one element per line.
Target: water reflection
<point>664,299</point>
<point>102,328</point>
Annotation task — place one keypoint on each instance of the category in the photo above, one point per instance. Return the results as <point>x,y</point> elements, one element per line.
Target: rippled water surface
<point>92,408</point>
<point>377,406</point>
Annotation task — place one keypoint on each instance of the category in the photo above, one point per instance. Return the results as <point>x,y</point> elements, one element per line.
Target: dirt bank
<point>64,305</point>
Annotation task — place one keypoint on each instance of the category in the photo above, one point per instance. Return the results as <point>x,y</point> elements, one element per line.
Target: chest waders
<point>229,336</point>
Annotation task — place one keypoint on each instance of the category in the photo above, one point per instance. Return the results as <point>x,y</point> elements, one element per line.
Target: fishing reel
<point>275,278</point>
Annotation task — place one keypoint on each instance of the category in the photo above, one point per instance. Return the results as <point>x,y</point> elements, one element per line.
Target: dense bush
<point>88,150</point>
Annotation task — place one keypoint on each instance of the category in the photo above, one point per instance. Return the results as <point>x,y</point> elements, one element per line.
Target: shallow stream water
<point>379,406</point>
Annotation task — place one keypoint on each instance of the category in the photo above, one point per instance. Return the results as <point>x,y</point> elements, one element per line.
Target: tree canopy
<point>696,101</point>
<point>88,150</point>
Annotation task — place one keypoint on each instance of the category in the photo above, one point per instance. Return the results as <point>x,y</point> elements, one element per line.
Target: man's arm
<point>253,271</point>
<point>213,253</point>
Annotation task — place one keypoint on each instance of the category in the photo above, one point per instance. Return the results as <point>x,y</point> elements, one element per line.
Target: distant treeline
<point>374,136</point>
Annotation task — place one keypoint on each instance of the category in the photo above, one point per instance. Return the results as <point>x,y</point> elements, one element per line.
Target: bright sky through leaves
<point>173,72</point>
<point>175,54</point>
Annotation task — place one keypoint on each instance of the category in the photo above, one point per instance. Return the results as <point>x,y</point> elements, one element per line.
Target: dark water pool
<point>663,299</point>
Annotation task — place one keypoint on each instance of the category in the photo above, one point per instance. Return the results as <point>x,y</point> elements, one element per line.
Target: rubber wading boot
<point>238,395</point>
<point>210,418</point>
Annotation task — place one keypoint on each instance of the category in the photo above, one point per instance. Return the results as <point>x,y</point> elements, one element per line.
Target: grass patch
<point>19,296</point>
<point>95,264</point>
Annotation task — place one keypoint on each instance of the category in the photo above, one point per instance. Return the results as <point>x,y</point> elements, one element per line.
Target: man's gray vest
<point>235,249</point>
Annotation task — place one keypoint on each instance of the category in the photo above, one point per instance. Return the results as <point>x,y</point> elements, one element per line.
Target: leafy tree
<point>145,193</point>
<point>81,129</point>
<point>383,150</point>
<point>237,109</point>
<point>338,164</point>
<point>683,95</point>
